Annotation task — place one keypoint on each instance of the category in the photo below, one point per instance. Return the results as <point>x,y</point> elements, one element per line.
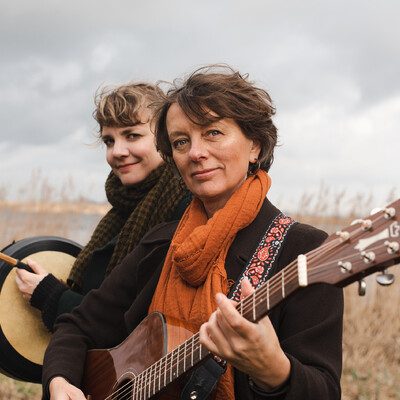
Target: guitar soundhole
<point>124,391</point>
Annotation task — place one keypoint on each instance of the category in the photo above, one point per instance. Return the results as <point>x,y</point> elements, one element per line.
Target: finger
<point>205,338</point>
<point>23,277</point>
<point>247,288</point>
<point>232,320</point>
<point>37,268</point>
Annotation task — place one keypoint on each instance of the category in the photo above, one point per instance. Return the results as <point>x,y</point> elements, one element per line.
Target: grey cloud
<point>331,68</point>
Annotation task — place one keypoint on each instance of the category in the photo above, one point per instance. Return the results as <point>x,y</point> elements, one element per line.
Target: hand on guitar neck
<point>250,347</point>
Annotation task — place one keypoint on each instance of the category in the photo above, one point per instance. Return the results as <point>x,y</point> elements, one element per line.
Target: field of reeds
<point>371,344</point>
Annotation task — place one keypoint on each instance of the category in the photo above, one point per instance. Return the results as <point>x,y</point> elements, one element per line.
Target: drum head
<point>23,336</point>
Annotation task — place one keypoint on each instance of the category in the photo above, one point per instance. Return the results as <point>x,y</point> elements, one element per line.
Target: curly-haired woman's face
<point>131,151</point>
<point>213,160</point>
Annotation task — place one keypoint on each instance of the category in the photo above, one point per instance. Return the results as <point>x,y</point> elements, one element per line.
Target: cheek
<point>179,162</point>
<point>109,157</point>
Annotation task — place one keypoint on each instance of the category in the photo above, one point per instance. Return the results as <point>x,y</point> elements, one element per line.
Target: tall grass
<point>371,337</point>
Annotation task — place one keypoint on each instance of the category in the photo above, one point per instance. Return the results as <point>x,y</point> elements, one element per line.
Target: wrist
<point>276,377</point>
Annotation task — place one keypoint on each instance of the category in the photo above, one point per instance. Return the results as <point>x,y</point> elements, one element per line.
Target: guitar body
<point>109,372</point>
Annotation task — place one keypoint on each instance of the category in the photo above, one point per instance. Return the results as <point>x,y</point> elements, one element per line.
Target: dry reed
<point>371,337</point>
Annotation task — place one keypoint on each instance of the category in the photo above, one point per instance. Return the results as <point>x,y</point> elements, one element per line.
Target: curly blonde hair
<point>119,105</point>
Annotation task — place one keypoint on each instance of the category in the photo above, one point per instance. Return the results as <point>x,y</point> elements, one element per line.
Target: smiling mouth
<point>125,166</point>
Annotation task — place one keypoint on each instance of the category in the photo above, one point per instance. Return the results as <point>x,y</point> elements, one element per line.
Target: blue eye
<point>179,143</point>
<point>214,132</point>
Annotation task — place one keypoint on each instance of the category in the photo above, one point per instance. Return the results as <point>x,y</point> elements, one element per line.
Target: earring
<point>254,167</point>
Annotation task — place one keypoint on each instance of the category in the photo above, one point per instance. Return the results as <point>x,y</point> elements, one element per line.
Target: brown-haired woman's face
<point>131,151</point>
<point>213,160</point>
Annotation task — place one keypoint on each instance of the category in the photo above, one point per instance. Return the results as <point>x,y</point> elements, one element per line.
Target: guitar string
<point>321,268</point>
<point>144,383</point>
<point>246,304</point>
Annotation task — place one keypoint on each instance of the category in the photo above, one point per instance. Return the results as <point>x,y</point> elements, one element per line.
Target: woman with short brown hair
<point>230,239</point>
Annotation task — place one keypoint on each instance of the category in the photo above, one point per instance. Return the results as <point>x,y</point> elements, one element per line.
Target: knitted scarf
<point>194,269</point>
<point>135,210</point>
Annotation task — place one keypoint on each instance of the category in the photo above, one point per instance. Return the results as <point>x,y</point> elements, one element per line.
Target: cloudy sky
<point>331,67</point>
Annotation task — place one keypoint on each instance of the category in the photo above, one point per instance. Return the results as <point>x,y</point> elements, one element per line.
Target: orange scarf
<point>194,269</point>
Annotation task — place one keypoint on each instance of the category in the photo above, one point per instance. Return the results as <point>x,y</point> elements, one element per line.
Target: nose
<point>120,149</point>
<point>198,150</point>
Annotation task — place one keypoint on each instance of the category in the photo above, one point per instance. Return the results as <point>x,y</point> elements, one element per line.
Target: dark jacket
<point>308,323</point>
<point>53,297</point>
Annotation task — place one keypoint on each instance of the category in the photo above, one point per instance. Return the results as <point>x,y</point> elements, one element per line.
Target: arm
<point>309,338</point>
<point>46,293</point>
<point>102,320</point>
<point>308,326</point>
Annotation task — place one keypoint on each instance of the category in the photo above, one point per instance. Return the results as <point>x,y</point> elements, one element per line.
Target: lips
<point>124,167</point>
<point>204,173</point>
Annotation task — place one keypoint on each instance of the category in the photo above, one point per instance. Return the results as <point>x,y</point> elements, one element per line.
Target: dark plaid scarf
<point>135,210</point>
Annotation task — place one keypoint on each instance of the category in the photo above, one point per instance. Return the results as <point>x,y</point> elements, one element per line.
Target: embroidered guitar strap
<point>258,268</point>
<point>204,378</point>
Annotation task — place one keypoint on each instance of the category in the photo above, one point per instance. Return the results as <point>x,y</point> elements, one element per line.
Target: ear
<point>255,150</point>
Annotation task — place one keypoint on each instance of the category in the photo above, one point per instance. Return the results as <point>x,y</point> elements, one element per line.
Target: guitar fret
<point>200,351</point>
<point>184,359</point>
<point>283,283</point>
<point>267,295</point>
<point>134,385</point>
<point>177,363</point>
<point>140,387</point>
<point>159,374</point>
<point>153,378</point>
<point>145,385</point>
<point>192,350</point>
<point>171,366</point>
<point>254,306</point>
<point>165,371</point>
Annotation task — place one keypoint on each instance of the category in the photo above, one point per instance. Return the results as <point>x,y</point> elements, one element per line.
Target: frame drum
<point>23,335</point>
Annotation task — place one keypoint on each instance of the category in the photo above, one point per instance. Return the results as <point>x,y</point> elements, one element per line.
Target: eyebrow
<point>174,134</point>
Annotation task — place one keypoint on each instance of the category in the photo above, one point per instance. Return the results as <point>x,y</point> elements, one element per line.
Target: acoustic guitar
<point>157,356</point>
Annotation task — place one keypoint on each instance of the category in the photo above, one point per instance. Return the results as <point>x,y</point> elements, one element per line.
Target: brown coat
<point>308,324</point>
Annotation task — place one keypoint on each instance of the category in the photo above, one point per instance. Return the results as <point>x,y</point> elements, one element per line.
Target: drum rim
<point>12,363</point>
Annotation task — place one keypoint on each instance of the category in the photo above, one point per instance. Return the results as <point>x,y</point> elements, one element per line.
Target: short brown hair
<point>119,105</point>
<point>227,93</point>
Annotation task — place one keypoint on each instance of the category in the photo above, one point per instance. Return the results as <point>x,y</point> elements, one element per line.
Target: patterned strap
<point>264,257</point>
<point>256,271</point>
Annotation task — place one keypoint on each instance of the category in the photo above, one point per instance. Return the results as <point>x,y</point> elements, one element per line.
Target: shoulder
<point>306,236</point>
<point>160,233</point>
<point>301,239</point>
